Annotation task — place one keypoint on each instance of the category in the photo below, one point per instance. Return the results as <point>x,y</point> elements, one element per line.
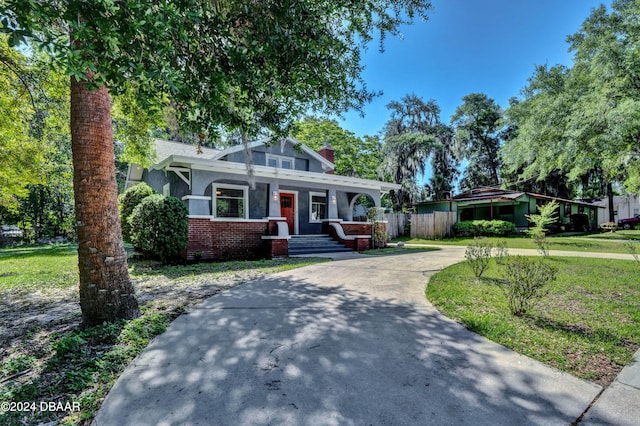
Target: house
<point>249,201</point>
<point>624,206</point>
<point>512,206</point>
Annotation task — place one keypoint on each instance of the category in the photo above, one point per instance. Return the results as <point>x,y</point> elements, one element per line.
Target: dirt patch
<point>598,368</point>
<point>28,320</point>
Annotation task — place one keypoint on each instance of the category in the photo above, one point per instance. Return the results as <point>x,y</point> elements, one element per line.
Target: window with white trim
<point>317,206</point>
<point>230,200</point>
<point>280,161</point>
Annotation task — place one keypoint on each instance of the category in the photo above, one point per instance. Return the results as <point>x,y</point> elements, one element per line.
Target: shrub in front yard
<point>500,251</point>
<point>548,215</point>
<point>526,282</point>
<point>487,228</point>
<point>160,227</point>
<point>478,255</point>
<point>632,248</point>
<point>128,202</point>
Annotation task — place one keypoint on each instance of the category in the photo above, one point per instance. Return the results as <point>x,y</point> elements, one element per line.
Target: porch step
<point>310,244</point>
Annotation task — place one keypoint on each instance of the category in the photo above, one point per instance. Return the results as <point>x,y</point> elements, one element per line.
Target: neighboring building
<point>292,190</point>
<point>512,206</point>
<point>624,206</point>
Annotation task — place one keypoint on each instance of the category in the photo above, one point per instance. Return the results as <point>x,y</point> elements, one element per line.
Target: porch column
<point>274,200</point>
<point>332,204</point>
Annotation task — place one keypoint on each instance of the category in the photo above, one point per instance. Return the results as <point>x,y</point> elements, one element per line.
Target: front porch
<point>216,239</point>
<point>234,221</point>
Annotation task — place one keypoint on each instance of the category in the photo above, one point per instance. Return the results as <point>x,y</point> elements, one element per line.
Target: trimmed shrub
<point>486,228</point>
<point>128,202</point>
<point>160,227</point>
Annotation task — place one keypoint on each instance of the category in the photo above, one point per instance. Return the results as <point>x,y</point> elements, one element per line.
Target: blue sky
<point>466,46</point>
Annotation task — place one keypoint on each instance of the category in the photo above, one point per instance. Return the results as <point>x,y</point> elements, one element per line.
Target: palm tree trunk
<point>106,292</point>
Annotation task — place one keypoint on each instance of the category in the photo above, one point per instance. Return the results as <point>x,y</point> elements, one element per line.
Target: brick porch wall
<point>357,228</point>
<point>226,240</point>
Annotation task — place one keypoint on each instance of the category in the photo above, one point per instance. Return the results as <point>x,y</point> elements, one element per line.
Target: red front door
<point>287,209</point>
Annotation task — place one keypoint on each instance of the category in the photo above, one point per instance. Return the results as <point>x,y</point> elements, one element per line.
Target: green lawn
<point>588,324</point>
<point>38,268</point>
<point>578,244</point>
<point>618,235</point>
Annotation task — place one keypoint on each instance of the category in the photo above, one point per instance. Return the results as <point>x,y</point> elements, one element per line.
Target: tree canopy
<point>411,134</point>
<point>477,124</point>
<point>584,121</point>
<point>354,156</point>
<point>21,153</point>
<point>240,64</point>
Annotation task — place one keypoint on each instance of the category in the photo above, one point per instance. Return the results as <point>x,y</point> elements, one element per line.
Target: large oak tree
<point>477,124</point>
<point>584,121</point>
<point>241,64</point>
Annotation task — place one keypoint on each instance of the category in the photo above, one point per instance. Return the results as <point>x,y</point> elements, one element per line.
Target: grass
<point>36,268</point>
<point>618,235</point>
<point>588,324</point>
<point>58,361</point>
<point>578,244</point>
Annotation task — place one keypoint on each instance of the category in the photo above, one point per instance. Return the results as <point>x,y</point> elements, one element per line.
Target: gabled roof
<point>165,149</point>
<point>486,193</point>
<point>173,155</point>
<point>326,164</point>
<point>498,194</point>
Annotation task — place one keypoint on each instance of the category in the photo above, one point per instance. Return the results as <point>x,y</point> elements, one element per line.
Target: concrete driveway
<point>350,342</point>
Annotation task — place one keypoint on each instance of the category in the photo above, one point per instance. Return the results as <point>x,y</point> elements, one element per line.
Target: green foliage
<point>584,120</point>
<point>548,215</point>
<point>478,255</point>
<point>20,152</point>
<point>128,202</point>
<point>159,227</point>
<point>237,76</point>
<point>484,228</point>
<point>379,237</point>
<point>16,365</point>
<point>354,156</point>
<point>133,125</point>
<point>412,133</point>
<point>34,134</point>
<point>542,242</point>
<point>478,134</point>
<point>526,282</point>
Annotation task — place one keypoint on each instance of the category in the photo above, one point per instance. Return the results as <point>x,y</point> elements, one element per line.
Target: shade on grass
<point>588,324</point>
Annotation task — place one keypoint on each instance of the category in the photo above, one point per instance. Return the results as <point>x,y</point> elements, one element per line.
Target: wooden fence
<point>431,226</point>
<point>396,223</point>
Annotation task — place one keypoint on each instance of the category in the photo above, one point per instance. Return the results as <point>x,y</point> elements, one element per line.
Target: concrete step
<point>309,244</point>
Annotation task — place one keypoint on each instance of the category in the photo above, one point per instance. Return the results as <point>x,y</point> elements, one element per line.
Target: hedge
<point>478,228</point>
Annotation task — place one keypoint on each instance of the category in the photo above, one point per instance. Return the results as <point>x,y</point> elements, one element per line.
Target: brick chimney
<point>328,153</point>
